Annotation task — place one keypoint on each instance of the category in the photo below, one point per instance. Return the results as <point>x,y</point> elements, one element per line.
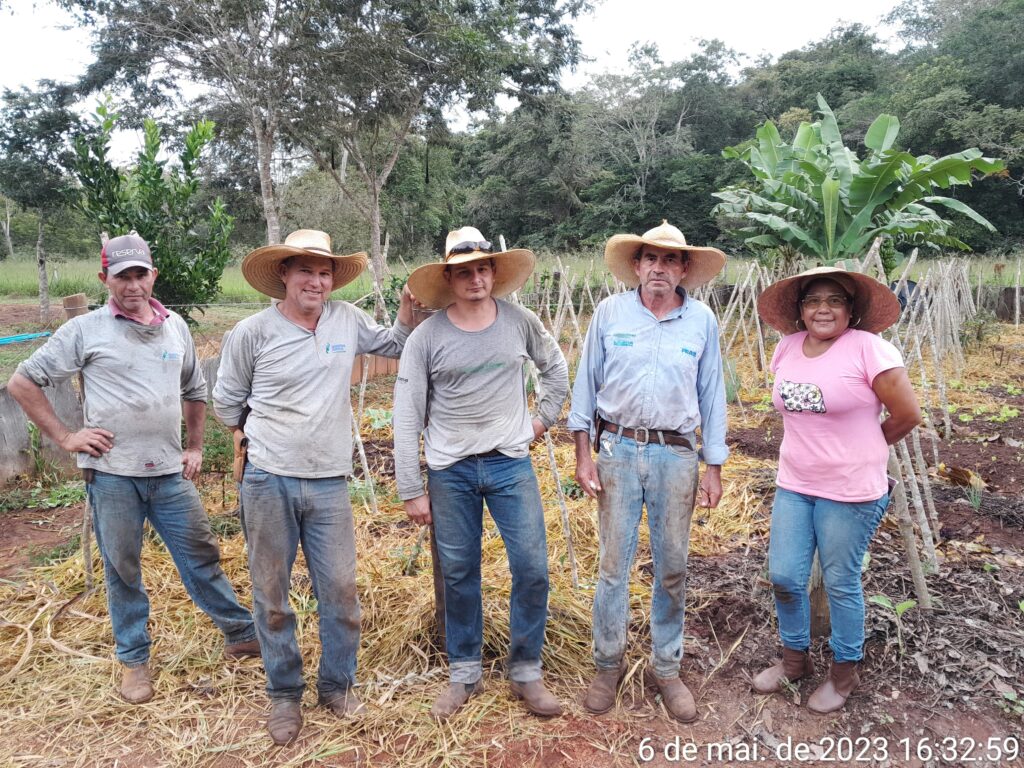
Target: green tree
<point>815,198</point>
<point>34,157</point>
<point>160,202</point>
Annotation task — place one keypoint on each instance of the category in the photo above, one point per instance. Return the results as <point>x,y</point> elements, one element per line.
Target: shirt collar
<point>160,312</point>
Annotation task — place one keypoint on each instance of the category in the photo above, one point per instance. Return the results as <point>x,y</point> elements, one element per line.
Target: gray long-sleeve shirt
<point>135,378</point>
<point>296,383</point>
<point>466,391</point>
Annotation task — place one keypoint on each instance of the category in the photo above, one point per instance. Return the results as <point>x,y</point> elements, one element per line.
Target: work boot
<point>603,688</point>
<point>453,697</point>
<point>677,698</point>
<point>249,649</point>
<point>136,684</point>
<point>792,666</point>
<point>538,699</point>
<point>342,703</point>
<point>831,695</point>
<point>285,720</point>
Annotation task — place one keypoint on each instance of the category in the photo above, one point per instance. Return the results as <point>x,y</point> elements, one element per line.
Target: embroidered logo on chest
<point>328,348</point>
<point>799,397</point>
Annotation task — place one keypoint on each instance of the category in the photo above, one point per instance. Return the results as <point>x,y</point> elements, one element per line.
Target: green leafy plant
<point>63,495</point>
<point>1006,412</point>
<point>897,610</point>
<point>974,495</point>
<point>380,418</point>
<point>161,202</point>
<point>814,197</point>
<point>1012,704</point>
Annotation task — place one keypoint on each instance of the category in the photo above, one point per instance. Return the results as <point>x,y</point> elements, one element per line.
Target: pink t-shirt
<point>832,444</point>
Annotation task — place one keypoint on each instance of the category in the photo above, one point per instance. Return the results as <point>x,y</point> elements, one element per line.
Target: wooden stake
<point>906,526</point>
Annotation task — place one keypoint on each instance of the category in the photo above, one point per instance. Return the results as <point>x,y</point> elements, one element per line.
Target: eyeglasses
<point>834,301</point>
<point>469,246</point>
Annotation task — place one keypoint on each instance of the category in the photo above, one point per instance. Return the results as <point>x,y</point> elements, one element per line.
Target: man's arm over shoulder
<point>235,374</point>
<point>375,339</point>
<point>711,395</point>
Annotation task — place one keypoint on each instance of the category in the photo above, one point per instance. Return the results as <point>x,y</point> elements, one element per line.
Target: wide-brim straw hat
<point>875,307</point>
<point>512,268</point>
<point>260,268</point>
<point>704,262</point>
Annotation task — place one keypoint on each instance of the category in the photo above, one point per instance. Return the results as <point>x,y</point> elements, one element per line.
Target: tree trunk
<point>7,229</point>
<point>377,264</point>
<point>264,156</point>
<point>44,283</point>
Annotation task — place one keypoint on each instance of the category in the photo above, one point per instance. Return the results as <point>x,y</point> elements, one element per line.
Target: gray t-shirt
<point>468,389</point>
<point>135,379</point>
<point>296,382</point>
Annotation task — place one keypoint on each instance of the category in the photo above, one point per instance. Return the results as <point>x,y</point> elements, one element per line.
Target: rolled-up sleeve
<point>711,398</point>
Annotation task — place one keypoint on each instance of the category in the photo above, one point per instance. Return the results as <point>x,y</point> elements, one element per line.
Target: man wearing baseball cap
<point>139,374</point>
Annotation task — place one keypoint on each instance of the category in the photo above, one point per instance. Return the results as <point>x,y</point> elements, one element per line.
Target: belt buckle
<point>647,435</point>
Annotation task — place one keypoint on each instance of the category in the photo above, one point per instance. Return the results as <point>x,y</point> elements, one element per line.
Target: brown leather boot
<point>453,697</point>
<point>792,666</point>
<point>601,693</point>
<point>343,703</point>
<point>831,695</point>
<point>285,720</point>
<point>250,649</point>
<point>677,697</point>
<point>538,699</point>
<point>136,684</point>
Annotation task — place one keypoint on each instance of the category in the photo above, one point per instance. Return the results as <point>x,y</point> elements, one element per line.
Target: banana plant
<point>816,198</point>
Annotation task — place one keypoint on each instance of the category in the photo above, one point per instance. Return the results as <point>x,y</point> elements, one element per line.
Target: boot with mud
<point>603,688</point>
<point>453,697</point>
<point>285,720</point>
<point>831,695</point>
<point>343,703</point>
<point>676,696</point>
<point>537,698</point>
<point>791,667</point>
<point>136,684</point>
<point>250,649</point>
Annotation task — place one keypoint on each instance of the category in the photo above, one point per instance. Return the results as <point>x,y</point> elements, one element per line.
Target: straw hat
<point>875,307</point>
<point>260,268</point>
<point>704,263</point>
<point>463,246</point>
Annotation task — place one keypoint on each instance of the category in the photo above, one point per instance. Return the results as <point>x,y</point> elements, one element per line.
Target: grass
<point>39,556</point>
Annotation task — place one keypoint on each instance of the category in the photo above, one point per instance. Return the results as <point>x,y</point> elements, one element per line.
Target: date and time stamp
<point>841,750</point>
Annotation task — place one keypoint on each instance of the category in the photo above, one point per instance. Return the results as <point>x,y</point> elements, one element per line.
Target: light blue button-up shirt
<point>639,371</point>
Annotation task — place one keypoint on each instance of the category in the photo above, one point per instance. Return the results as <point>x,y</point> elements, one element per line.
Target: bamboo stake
<point>926,483</point>
<point>358,440</point>
<point>927,539</point>
<point>906,526</point>
<point>570,549</point>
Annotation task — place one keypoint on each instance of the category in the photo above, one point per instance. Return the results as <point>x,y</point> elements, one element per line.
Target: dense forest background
<point>562,170</point>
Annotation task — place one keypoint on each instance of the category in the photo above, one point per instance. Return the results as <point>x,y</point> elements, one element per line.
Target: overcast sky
<point>33,45</point>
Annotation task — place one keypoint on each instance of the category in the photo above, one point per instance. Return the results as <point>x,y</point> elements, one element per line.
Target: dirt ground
<point>932,689</point>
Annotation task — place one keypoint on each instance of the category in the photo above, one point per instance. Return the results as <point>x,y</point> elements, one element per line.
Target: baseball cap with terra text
<point>126,251</point>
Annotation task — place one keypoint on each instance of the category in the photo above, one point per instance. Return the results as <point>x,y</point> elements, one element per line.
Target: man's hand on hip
<point>91,440</point>
<point>710,491</point>
<point>418,509</point>
<point>191,463</point>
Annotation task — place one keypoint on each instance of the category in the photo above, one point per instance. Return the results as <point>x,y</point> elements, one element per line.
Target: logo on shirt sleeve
<point>801,397</point>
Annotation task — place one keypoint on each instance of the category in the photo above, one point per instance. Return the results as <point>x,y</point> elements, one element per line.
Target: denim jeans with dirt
<point>279,512</point>
<point>840,531</point>
<point>662,478</point>
<point>120,506</point>
<point>457,497</point>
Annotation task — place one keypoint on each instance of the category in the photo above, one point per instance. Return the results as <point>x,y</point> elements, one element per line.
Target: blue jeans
<point>278,512</point>
<point>120,506</point>
<point>457,496</point>
<point>664,479</point>
<point>841,532</point>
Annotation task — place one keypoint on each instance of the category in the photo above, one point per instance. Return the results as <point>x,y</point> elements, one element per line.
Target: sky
<point>35,42</point>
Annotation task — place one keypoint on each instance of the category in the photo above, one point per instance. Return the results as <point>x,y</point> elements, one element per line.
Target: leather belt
<point>488,455</point>
<point>643,435</point>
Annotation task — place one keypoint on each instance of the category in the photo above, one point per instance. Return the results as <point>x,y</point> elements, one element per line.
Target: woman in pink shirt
<point>833,376</point>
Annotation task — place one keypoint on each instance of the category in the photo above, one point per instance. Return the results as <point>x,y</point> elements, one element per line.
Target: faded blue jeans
<point>120,506</point>
<point>664,479</point>
<point>278,513</point>
<point>457,495</point>
<point>841,532</point>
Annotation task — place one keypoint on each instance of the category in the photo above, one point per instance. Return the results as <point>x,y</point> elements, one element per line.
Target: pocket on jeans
<point>254,476</point>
